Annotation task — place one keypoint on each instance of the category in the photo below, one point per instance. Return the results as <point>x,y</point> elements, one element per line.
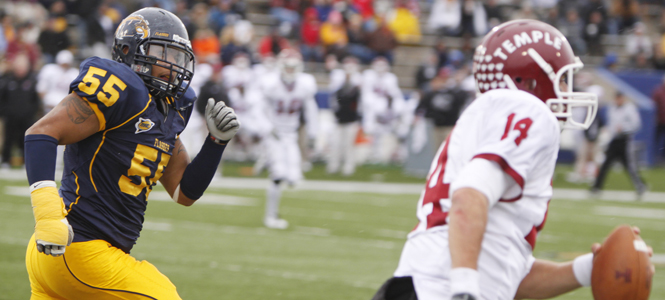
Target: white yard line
<point>631,212</point>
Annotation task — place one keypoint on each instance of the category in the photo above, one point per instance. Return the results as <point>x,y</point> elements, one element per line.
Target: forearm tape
<point>40,156</point>
<point>200,171</point>
<point>49,211</point>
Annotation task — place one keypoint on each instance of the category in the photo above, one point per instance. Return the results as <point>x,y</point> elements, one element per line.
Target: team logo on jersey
<point>143,125</point>
<point>140,26</point>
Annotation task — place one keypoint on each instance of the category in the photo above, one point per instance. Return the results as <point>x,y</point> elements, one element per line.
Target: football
<point>622,268</point>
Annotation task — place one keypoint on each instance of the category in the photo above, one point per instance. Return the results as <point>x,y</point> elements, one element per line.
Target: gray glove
<point>221,121</point>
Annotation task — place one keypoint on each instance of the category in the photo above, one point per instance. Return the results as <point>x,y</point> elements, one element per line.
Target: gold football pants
<point>94,270</point>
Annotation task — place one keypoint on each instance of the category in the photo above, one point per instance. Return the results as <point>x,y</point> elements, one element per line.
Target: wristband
<point>465,281</point>
<point>582,266</point>
<point>201,170</point>
<point>40,156</point>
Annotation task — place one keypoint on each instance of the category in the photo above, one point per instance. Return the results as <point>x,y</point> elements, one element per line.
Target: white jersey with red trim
<point>284,102</point>
<point>518,132</point>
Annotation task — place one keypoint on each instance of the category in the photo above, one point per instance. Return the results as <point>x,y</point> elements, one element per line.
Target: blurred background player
<point>121,124</point>
<point>623,120</point>
<point>344,101</point>
<point>53,85</point>
<point>382,105</point>
<point>245,97</point>
<point>287,94</point>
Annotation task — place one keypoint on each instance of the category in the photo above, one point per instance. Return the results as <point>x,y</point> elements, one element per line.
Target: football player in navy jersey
<point>121,124</point>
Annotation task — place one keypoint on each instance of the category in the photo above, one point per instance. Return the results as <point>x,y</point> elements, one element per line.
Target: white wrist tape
<point>176,194</point>
<point>582,266</point>
<point>41,184</point>
<point>465,280</point>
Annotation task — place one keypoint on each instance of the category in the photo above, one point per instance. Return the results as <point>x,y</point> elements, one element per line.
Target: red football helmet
<point>535,57</point>
<point>290,64</point>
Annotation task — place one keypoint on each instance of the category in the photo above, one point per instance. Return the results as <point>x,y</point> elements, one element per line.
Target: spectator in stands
<point>236,39</point>
<point>53,38</point>
<point>444,16</point>
<point>357,39</point>
<point>323,9</point>
<point>404,23</point>
<point>20,104</point>
<point>526,12</point>
<point>572,28</point>
<point>552,16</point>
<point>222,15</point>
<point>427,71</point>
<point>273,43</point>
<point>639,46</point>
<point>564,6</point>
<point>286,13</point>
<point>382,41</point>
<point>333,35</point>
<point>623,121</point>
<point>19,46</point>
<point>200,16</point>
<point>344,101</point>
<point>442,52</point>
<point>309,36</point>
<point>494,14</point>
<point>594,6</point>
<point>658,97</point>
<point>347,8</point>
<point>473,19</point>
<point>365,8</point>
<point>593,32</point>
<point>205,44</point>
<point>626,14</point>
<point>442,105</point>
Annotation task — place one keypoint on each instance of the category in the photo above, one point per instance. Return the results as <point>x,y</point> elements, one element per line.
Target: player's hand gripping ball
<point>221,121</point>
<point>622,269</point>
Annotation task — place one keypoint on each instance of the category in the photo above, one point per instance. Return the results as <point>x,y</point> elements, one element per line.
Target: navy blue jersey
<point>109,175</point>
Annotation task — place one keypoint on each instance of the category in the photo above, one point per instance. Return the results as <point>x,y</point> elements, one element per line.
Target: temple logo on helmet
<point>140,24</point>
<point>522,39</point>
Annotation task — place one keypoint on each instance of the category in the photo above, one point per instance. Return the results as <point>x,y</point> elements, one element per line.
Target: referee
<point>623,121</point>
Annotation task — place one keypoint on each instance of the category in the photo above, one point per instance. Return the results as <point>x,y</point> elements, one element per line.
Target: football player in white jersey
<point>382,105</point>
<point>488,188</point>
<point>287,94</point>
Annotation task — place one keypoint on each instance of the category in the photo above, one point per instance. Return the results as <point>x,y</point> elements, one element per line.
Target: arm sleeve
<point>484,176</point>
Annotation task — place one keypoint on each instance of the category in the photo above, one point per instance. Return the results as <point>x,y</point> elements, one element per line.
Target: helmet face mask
<point>154,44</point>
<point>533,56</point>
<point>290,65</point>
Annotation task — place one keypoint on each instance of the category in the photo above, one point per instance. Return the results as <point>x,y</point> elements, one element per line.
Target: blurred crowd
<point>350,45</point>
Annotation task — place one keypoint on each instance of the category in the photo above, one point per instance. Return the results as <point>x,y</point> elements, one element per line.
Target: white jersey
<point>284,103</point>
<point>53,82</point>
<point>381,99</point>
<point>234,77</point>
<point>518,132</point>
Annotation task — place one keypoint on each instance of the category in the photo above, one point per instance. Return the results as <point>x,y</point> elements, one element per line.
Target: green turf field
<point>339,245</point>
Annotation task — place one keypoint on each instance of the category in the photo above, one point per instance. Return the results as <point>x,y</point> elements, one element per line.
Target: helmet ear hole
<point>530,84</point>
<point>518,79</point>
<point>125,49</point>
